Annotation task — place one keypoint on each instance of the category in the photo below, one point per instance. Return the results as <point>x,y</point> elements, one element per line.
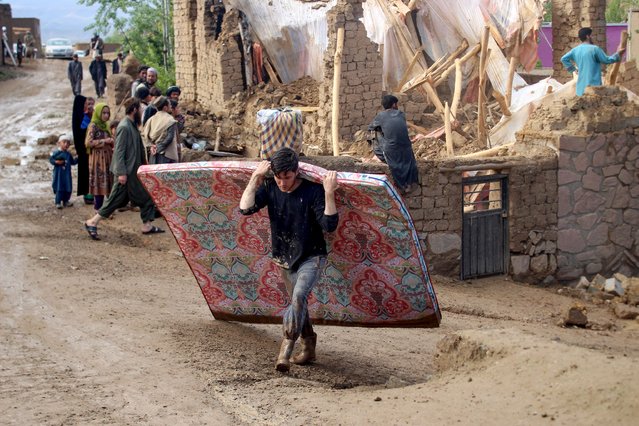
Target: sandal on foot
<point>154,230</point>
<point>93,231</point>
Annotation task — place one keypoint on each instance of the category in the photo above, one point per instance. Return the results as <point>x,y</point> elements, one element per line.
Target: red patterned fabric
<point>375,275</point>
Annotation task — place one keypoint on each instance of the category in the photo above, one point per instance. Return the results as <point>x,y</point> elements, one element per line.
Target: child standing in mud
<point>62,160</point>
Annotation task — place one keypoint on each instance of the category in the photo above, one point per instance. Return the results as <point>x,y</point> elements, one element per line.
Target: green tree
<point>617,10</point>
<point>144,28</point>
<point>548,11</point>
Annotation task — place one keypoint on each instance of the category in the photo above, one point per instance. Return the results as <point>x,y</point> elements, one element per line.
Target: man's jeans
<point>299,285</point>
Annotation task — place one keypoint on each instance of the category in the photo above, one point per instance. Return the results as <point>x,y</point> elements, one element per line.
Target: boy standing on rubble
<point>588,59</point>
<point>299,211</point>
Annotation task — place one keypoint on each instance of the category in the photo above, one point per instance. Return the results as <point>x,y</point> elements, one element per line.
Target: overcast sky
<point>58,18</point>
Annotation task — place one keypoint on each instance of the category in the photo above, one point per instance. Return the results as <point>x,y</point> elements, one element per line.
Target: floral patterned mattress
<point>375,276</point>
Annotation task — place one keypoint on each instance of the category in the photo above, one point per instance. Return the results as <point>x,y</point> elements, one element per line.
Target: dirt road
<point>117,332</point>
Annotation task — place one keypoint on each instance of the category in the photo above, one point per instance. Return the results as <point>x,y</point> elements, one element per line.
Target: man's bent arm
<point>605,59</point>
<point>248,196</point>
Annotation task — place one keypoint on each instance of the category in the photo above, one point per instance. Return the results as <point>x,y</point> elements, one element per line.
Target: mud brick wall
<point>436,209</point>
<point>209,70</point>
<point>629,76</point>
<point>533,220</point>
<point>361,79</point>
<point>567,17</point>
<point>184,20</point>
<point>598,205</point>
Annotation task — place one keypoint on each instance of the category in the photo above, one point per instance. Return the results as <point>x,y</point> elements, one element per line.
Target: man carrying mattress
<point>299,212</point>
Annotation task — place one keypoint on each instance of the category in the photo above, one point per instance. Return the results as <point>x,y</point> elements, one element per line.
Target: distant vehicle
<point>81,53</point>
<point>58,48</point>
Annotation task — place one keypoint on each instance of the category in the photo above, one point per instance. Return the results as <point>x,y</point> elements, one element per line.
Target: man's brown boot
<point>307,355</point>
<point>283,363</point>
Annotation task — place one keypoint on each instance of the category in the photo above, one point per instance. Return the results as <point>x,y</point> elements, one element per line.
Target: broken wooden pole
<point>509,81</point>
<point>614,72</point>
<point>411,65</point>
<point>449,131</point>
<point>481,101</point>
<point>470,54</point>
<point>431,93</point>
<point>337,77</point>
<point>503,105</point>
<point>458,89</point>
<point>272,75</point>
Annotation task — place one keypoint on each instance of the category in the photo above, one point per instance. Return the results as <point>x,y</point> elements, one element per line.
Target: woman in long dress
<point>100,143</point>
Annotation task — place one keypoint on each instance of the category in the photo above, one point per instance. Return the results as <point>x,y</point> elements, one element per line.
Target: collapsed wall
<point>361,76</point>
<point>209,66</point>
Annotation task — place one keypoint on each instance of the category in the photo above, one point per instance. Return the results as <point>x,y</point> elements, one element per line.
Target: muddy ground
<point>117,331</point>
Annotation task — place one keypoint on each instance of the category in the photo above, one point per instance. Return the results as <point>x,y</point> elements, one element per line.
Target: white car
<point>59,48</point>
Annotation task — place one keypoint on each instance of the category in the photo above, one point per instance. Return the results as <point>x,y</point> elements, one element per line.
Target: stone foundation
<point>598,205</point>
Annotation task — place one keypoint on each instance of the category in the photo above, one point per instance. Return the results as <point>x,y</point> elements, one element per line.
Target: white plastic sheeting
<point>524,102</point>
<point>443,24</point>
<point>294,35</point>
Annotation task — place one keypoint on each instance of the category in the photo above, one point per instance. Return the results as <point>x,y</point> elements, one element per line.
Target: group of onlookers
<point>109,152</point>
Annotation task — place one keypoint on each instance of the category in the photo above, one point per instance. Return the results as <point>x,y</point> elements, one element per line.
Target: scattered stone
<point>377,399</point>
<point>598,282</point>
<point>583,283</point>
<point>621,277</point>
<point>613,286</point>
<point>623,311</point>
<point>576,316</point>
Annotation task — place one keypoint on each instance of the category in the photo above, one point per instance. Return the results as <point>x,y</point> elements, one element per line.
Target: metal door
<point>485,226</point>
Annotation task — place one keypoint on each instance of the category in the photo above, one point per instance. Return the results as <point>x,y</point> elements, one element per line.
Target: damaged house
<point>517,176</point>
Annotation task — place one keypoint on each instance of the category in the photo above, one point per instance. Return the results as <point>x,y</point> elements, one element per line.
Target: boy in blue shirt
<point>62,183</point>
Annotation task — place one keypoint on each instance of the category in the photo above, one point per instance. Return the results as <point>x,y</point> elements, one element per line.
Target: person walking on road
<point>586,59</point>
<point>98,71</point>
<point>74,73</point>
<point>299,211</point>
<point>116,65</point>
<point>128,156</point>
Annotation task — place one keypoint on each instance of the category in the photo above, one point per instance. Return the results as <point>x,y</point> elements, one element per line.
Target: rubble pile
<point>620,291</point>
<point>604,109</point>
<point>239,130</point>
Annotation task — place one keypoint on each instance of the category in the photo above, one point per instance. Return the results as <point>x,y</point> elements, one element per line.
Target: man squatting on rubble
<point>299,210</point>
<point>393,145</point>
<point>588,59</point>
